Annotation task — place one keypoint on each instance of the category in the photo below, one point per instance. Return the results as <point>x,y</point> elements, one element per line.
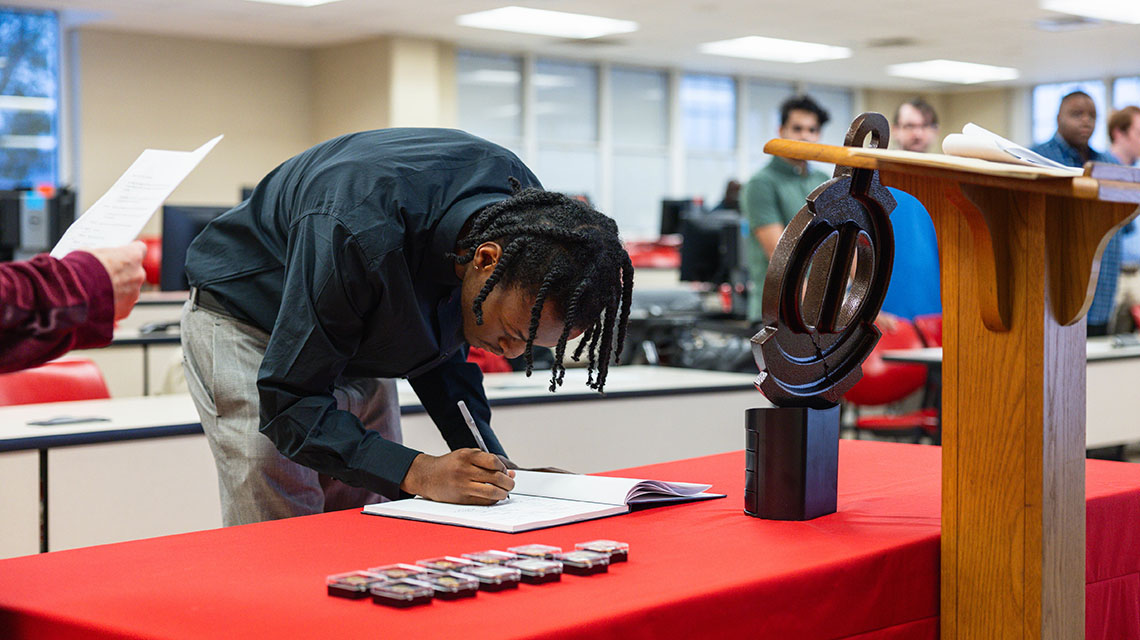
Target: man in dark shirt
<point>373,256</point>
<point>49,307</point>
<point>1076,120</point>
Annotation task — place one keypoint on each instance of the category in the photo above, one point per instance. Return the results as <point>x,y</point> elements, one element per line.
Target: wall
<point>138,91</point>
<point>1002,110</point>
<point>350,88</point>
<point>423,84</point>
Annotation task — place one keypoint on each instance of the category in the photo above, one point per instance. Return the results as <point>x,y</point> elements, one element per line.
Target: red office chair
<point>929,328</point>
<point>56,381</point>
<point>1135,310</point>
<point>152,263</point>
<point>887,382</point>
<point>487,361</point>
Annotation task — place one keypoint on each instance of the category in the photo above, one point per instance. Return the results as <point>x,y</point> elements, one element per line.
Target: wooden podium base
<point>1018,255</point>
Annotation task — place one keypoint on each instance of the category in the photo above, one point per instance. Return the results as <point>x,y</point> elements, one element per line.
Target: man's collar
<point>437,265</point>
<point>785,166</point>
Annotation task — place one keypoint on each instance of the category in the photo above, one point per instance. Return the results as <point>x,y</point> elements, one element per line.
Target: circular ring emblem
<point>825,285</point>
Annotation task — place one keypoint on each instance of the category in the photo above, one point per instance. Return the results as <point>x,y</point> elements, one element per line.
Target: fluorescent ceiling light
<point>775,49</point>
<point>952,71</point>
<point>295,3</point>
<point>546,23</point>
<point>1127,11</point>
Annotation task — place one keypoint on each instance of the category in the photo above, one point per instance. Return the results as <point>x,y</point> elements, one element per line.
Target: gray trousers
<point>221,356</point>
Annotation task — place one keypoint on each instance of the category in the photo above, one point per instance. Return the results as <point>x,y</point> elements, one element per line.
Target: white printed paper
<point>121,213</point>
<point>979,142</point>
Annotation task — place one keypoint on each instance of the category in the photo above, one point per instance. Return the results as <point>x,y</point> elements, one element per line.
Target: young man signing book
<point>378,255</point>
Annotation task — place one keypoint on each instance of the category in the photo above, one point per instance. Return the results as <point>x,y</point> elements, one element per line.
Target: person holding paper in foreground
<point>49,307</point>
<point>371,256</point>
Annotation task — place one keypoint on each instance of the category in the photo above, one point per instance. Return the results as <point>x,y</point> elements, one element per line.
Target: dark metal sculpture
<point>825,285</point>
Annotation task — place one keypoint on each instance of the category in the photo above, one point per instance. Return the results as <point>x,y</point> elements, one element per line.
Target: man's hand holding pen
<point>464,476</point>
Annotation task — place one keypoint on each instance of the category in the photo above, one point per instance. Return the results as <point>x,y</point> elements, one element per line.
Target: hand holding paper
<point>124,266</point>
<point>121,213</point>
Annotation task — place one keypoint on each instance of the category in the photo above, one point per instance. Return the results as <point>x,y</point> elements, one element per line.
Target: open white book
<point>542,500</point>
<point>981,143</point>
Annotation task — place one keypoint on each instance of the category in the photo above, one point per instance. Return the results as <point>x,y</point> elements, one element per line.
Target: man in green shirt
<point>777,192</point>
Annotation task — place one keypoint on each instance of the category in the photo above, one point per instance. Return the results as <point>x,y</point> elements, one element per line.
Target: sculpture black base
<point>792,463</point>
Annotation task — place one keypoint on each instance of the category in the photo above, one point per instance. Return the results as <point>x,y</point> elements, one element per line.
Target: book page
<point>600,489</point>
<point>119,215</point>
<point>516,513</point>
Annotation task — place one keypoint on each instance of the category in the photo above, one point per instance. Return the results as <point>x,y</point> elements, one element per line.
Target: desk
<point>134,363</point>
<point>146,471</point>
<point>1110,383</point>
<point>135,338</point>
<point>149,470</point>
<point>697,570</point>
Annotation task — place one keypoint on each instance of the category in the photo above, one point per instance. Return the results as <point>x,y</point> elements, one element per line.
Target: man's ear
<point>487,255</point>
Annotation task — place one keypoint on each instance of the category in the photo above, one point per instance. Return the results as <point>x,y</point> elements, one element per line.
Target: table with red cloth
<point>695,570</point>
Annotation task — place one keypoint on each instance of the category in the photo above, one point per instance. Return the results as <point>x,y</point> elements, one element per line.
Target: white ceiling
<point>998,32</point>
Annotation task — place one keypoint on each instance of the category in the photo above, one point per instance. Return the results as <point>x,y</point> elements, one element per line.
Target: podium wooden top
<point>1120,184</point>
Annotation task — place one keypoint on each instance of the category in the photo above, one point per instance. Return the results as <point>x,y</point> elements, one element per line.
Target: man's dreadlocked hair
<point>563,252</point>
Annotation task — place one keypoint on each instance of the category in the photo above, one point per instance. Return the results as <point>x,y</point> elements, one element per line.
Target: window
<point>566,115</point>
<point>640,122</point>
<point>1047,100</point>
<point>839,105</point>
<point>1125,92</point>
<point>708,125</point>
<point>762,121</point>
<point>29,98</point>
<point>629,137</point>
<point>490,92</point>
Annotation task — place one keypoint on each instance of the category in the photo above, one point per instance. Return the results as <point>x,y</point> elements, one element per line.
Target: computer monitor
<point>180,225</point>
<point>711,248</point>
<point>32,222</point>
<point>674,212</point>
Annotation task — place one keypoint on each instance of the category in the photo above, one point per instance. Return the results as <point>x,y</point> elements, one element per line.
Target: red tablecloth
<point>696,570</point>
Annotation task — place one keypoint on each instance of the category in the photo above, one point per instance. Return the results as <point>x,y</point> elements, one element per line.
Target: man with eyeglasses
<point>914,287</point>
<point>915,125</point>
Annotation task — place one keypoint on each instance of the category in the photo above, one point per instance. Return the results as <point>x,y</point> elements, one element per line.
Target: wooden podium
<point>1019,251</point>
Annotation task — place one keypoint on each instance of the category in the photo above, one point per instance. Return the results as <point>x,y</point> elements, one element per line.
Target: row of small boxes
<point>451,577</point>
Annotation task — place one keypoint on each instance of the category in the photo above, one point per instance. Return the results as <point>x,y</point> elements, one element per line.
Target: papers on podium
<point>542,500</point>
<point>978,142</point>
<point>119,215</point>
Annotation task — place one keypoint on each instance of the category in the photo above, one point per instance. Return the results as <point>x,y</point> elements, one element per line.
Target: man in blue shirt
<point>1076,120</point>
<point>915,288</point>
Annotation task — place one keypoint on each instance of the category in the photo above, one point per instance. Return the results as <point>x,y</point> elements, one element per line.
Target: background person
<point>1076,120</point>
<point>915,287</point>
<point>915,126</point>
<point>1124,132</point>
<point>774,195</point>
<point>49,307</point>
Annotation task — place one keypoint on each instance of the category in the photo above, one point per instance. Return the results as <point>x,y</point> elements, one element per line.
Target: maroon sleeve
<point>49,306</point>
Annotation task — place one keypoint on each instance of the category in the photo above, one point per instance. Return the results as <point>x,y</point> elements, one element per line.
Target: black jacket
<point>339,254</point>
